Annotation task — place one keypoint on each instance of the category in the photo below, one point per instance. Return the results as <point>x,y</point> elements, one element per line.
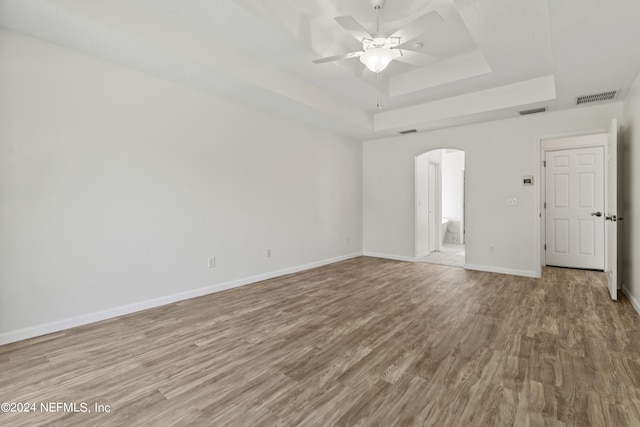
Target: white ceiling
<point>495,57</point>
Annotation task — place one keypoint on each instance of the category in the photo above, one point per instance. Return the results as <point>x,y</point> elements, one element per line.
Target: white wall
<point>116,186</point>
<point>452,185</point>
<point>497,155</point>
<point>631,183</point>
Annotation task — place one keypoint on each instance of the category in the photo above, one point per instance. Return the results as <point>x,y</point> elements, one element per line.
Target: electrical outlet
<point>348,241</point>
<point>212,262</point>
<point>512,202</point>
<point>268,253</point>
<point>492,250</point>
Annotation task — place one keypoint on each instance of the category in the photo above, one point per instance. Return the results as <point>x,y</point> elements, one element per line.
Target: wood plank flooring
<point>361,342</point>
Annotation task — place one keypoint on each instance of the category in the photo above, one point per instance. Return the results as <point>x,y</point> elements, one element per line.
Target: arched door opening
<point>439,207</point>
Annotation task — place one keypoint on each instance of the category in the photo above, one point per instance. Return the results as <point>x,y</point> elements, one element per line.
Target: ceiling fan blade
<point>338,57</point>
<point>354,27</point>
<point>414,28</point>
<point>414,57</point>
<point>407,45</point>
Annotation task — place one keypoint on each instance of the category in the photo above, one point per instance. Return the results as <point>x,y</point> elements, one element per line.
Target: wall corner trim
<point>61,325</point>
<point>634,302</point>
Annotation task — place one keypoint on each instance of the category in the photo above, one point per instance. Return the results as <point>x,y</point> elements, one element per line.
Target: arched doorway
<point>439,207</point>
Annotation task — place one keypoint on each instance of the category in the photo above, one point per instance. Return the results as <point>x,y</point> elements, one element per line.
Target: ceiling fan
<point>379,49</point>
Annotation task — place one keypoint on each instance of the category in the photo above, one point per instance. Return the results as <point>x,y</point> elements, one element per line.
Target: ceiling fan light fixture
<point>377,59</point>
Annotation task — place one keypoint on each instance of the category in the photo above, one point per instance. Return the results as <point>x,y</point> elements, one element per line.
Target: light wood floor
<point>361,342</point>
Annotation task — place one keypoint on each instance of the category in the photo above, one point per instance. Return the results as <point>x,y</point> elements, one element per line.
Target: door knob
<point>598,214</point>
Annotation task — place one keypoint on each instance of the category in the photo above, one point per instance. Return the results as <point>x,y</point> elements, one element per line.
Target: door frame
<point>437,220</point>
<point>416,196</point>
<point>586,139</point>
<point>464,205</point>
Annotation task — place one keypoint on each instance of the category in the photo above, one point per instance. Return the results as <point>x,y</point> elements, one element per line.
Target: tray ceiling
<point>494,57</point>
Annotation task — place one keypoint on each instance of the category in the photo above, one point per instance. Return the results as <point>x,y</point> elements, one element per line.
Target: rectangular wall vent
<point>596,97</point>
<point>533,111</point>
<point>404,132</point>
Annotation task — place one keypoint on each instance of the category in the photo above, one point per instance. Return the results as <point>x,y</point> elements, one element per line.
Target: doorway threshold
<point>450,254</point>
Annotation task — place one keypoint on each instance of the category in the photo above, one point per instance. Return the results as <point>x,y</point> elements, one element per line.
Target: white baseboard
<point>634,302</point>
<point>389,256</point>
<point>511,271</point>
<point>59,325</point>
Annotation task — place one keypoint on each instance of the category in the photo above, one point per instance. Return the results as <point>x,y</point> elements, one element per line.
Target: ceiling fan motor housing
<point>383,42</point>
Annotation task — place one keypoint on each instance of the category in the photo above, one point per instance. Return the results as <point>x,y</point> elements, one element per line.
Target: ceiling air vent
<point>533,111</point>
<point>404,132</point>
<point>596,97</point>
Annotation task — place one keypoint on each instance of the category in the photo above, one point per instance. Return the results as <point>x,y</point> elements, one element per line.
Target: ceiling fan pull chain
<point>378,101</point>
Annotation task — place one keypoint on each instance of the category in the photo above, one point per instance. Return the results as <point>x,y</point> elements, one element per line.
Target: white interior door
<point>611,210</point>
<point>575,235</point>
<point>432,202</point>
